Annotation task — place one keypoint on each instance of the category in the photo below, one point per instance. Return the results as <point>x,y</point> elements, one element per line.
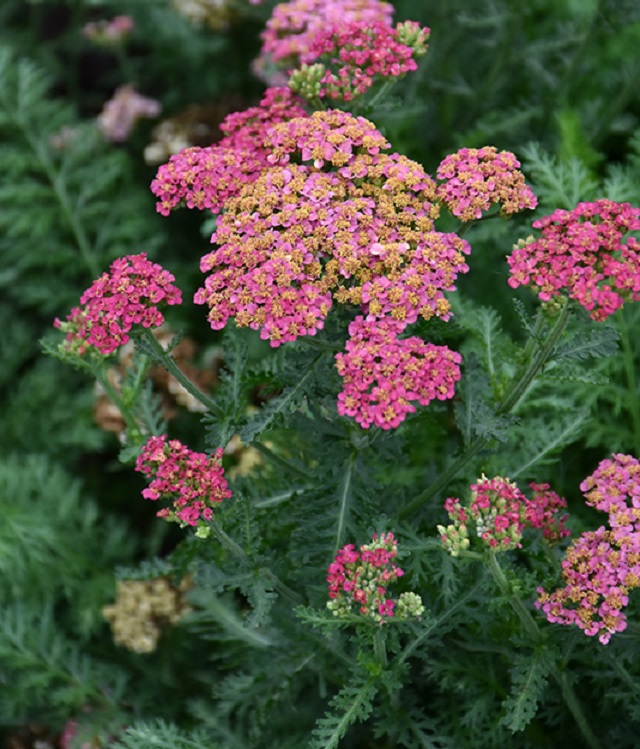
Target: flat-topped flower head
<point>130,294</point>
<point>598,573</point>
<point>358,581</point>
<point>296,240</point>
<point>582,254</point>
<point>344,61</point>
<point>120,114</point>
<point>383,375</point>
<point>474,179</point>
<point>332,137</point>
<point>192,482</point>
<point>614,488</point>
<point>266,270</point>
<point>293,25</point>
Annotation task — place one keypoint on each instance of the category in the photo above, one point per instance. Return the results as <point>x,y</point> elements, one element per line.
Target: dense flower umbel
<point>128,295</point>
<point>598,573</point>
<point>293,25</point>
<point>477,178</point>
<point>499,511</point>
<point>581,253</point>
<point>359,579</point>
<point>299,237</point>
<point>383,374</point>
<point>193,482</point>
<point>601,567</point>
<point>349,58</point>
<point>614,488</point>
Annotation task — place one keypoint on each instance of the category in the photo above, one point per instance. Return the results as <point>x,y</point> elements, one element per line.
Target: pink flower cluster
<point>348,58</point>
<point>122,111</point>
<point>383,374</point>
<point>500,512</point>
<point>349,225</point>
<point>205,178</point>
<point>360,578</point>
<point>193,482</point>
<point>581,253</point>
<point>293,25</point>
<point>474,179</point>
<point>601,567</point>
<point>129,294</point>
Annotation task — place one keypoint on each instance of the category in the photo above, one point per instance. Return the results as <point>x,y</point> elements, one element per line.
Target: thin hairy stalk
<point>279,460</point>
<point>168,362</point>
<point>519,385</point>
<point>239,553</point>
<point>343,504</point>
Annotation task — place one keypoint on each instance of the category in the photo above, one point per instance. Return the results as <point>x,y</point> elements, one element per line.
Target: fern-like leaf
<point>529,678</point>
<point>353,703</point>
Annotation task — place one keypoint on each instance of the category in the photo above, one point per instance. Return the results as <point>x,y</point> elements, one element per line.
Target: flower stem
<point>237,551</point>
<point>533,631</point>
<point>519,386</point>
<point>169,363</point>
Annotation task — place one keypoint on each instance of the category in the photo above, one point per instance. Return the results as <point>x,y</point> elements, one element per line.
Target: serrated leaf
<point>352,703</point>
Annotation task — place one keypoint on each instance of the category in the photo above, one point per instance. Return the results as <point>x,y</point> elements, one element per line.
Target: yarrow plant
<point>343,62</point>
<point>121,113</point>
<point>499,512</point>
<point>330,357</point>
<point>474,179</point>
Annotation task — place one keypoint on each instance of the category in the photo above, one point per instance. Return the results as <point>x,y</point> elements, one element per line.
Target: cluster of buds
<point>601,567</point>
<point>499,512</point>
<point>143,609</point>
<point>358,579</point>
<point>345,61</point>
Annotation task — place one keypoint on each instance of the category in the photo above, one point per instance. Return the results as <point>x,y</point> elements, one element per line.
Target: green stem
<point>382,92</point>
<point>533,631</point>
<point>630,374</point>
<point>237,551</point>
<point>278,459</point>
<point>168,362</point>
<point>114,396</point>
<point>380,647</point>
<point>519,386</point>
